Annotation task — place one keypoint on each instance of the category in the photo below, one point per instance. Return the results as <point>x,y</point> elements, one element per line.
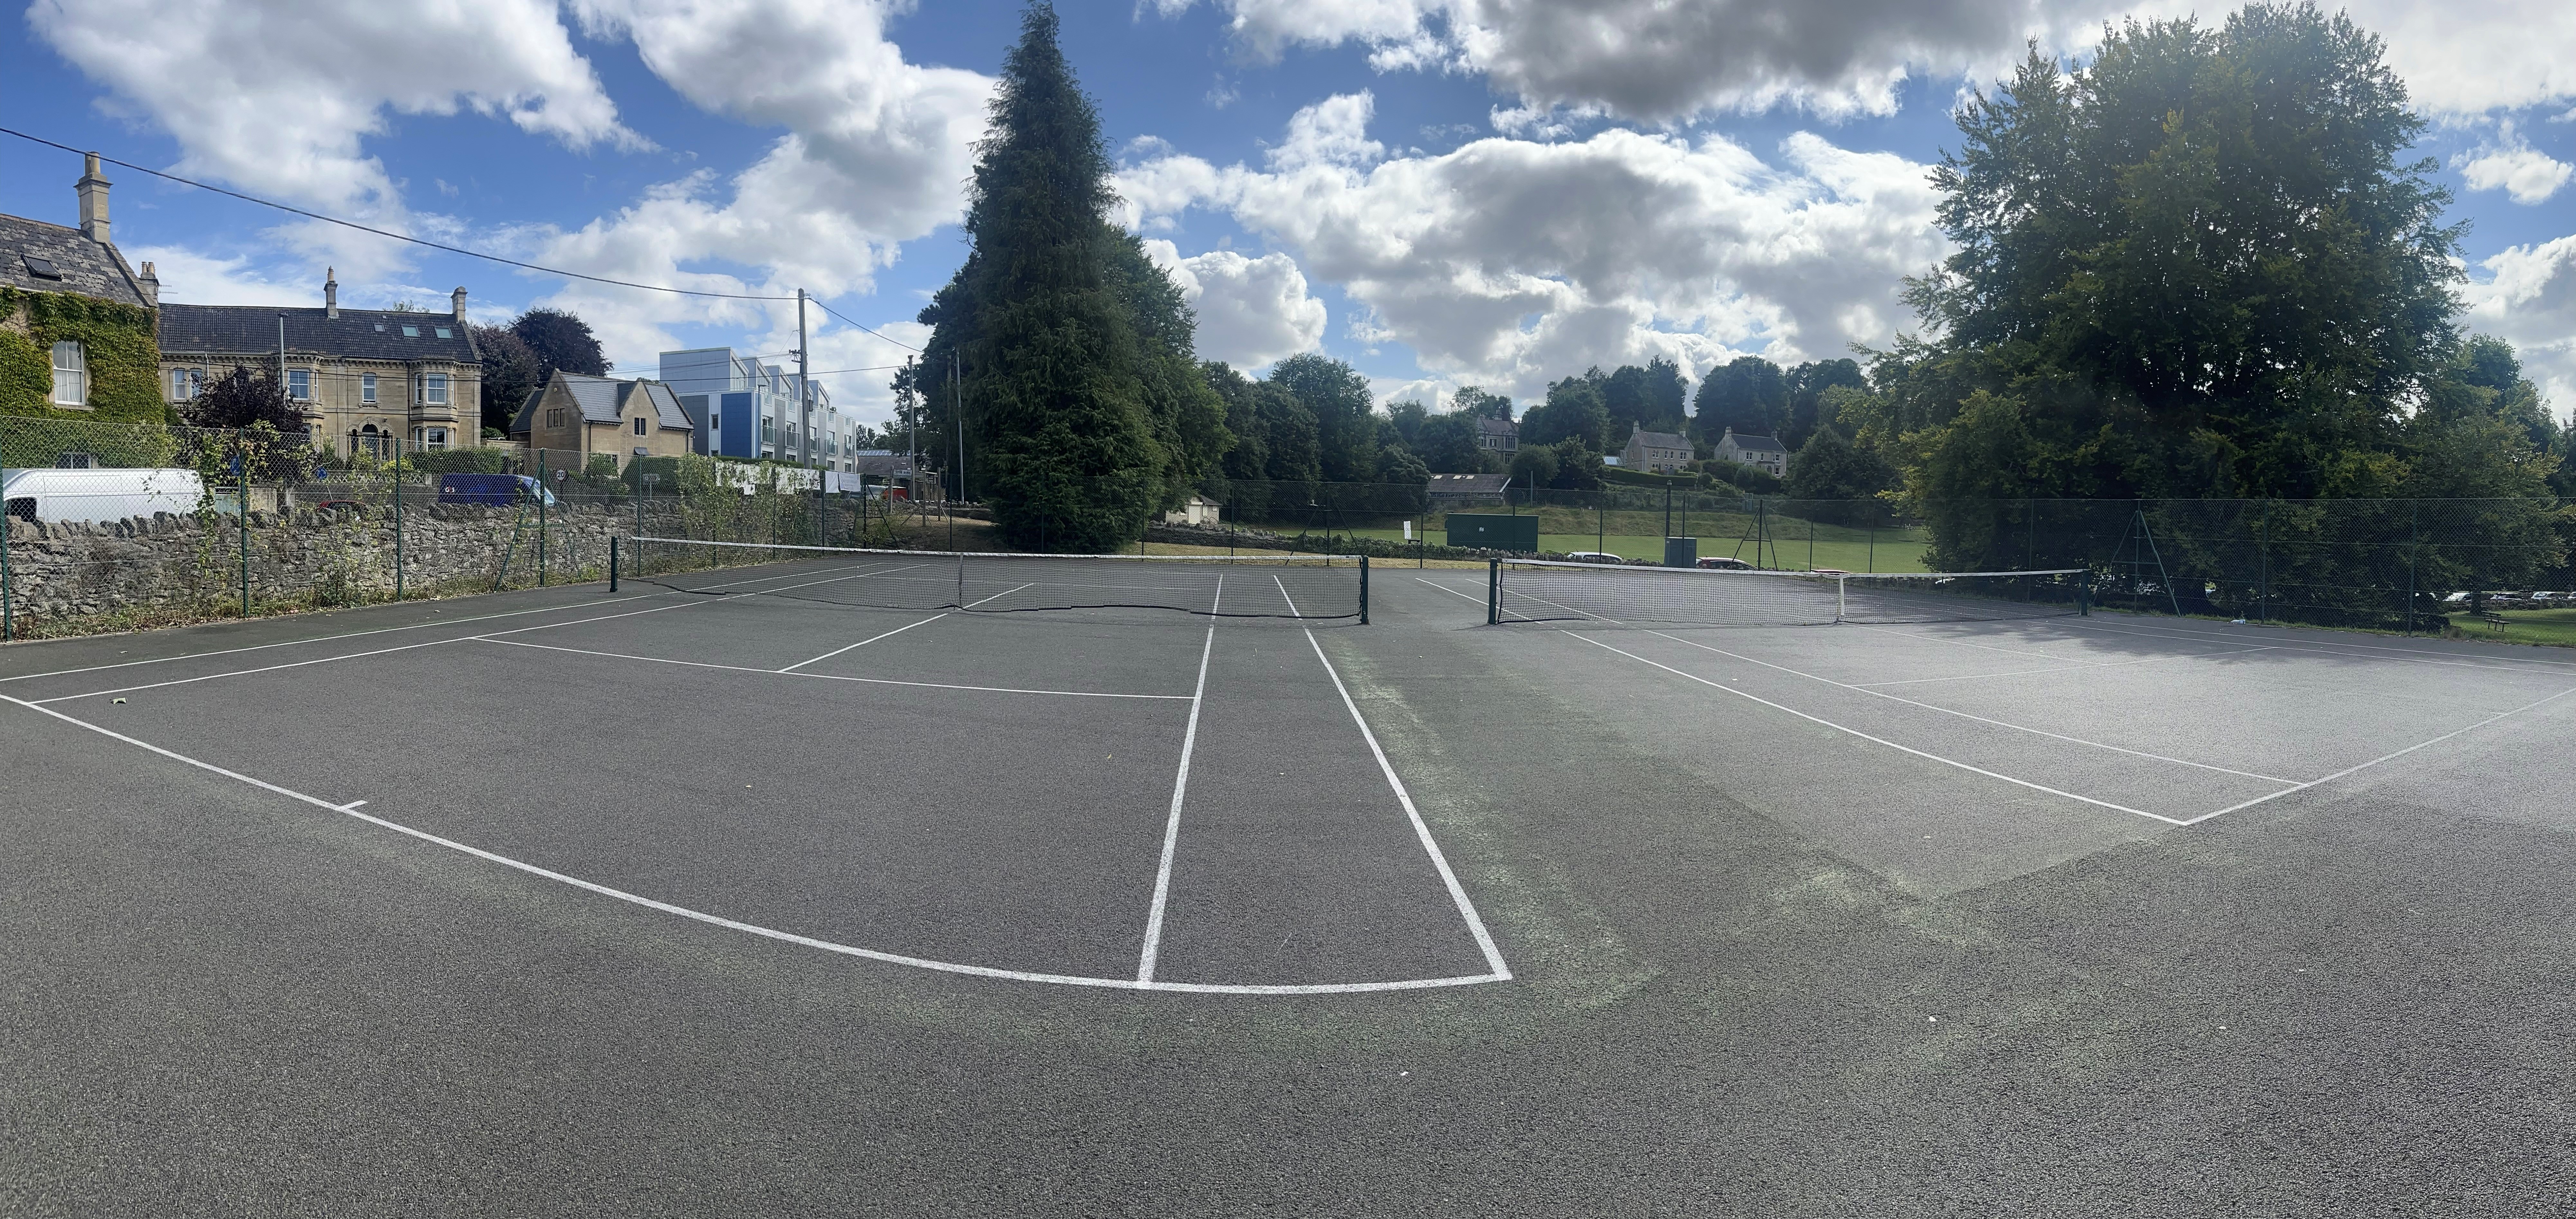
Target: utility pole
<point>805,411</point>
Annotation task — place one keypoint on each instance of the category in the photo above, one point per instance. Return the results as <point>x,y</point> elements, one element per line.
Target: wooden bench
<point>2494,620</point>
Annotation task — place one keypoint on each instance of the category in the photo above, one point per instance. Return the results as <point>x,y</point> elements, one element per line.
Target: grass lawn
<point>2549,626</point>
<point>1848,549</point>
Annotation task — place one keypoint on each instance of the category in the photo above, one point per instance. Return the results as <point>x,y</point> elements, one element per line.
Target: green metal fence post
<point>8,621</point>
<point>1364,568</point>
<point>612,562</point>
<point>398,549</point>
<point>2414,543</point>
<point>541,518</point>
<point>1493,591</point>
<point>2263,559</point>
<point>243,469</point>
<point>2084,593</point>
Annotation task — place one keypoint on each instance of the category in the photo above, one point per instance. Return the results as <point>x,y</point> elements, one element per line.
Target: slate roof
<point>603,400</point>
<point>1496,427</point>
<point>1468,484</point>
<point>1663,440</point>
<point>1758,444</point>
<point>357,334</point>
<point>86,267</point>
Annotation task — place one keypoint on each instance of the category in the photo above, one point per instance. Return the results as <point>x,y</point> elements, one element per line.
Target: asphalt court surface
<point>991,792</point>
<point>2108,914</point>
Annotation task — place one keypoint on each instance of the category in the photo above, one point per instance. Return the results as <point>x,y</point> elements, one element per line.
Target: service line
<point>1153,948</point>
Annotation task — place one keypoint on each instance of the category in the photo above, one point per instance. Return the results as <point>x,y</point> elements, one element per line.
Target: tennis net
<point>1305,586</point>
<point>1541,591</point>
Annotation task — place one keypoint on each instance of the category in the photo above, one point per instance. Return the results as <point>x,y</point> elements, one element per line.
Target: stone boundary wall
<point>305,557</point>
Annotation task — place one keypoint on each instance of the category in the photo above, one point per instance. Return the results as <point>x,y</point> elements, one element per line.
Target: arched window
<point>71,375</point>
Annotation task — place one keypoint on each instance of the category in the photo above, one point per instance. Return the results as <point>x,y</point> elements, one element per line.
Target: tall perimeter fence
<point>118,526</point>
<point>124,526</point>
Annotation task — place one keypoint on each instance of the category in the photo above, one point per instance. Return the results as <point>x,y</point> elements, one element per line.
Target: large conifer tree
<point>1084,409</point>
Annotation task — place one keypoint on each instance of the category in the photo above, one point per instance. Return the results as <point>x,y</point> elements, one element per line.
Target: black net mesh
<point>1302,586</point>
<point>1533,591</point>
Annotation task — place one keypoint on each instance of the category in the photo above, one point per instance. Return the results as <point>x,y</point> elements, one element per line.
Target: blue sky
<point>1442,192</point>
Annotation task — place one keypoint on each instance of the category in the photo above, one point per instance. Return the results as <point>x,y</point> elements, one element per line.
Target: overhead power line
<point>419,241</point>
<point>846,317</point>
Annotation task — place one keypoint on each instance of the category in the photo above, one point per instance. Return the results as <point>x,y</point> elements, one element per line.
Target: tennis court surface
<point>811,882</point>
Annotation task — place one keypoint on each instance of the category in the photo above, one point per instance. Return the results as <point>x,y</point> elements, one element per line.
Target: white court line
<point>2389,757</point>
<point>2329,649</point>
<point>1878,740</point>
<point>874,681</point>
<point>322,660</point>
<point>1473,597</point>
<point>1421,830</point>
<point>980,971</point>
<point>896,631</point>
<point>2057,736</point>
<point>489,637</point>
<point>862,643</point>
<point>2108,664</point>
<point>1180,787</point>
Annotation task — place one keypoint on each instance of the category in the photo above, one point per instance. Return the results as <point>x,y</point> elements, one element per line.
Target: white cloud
<point>1252,311</point>
<point>2524,173</point>
<point>2530,301</point>
<point>1657,60</point>
<point>1509,262</point>
<point>278,94</point>
<point>193,277</point>
<point>1333,131</point>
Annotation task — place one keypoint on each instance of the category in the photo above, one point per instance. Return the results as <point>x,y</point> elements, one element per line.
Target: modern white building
<point>747,409</point>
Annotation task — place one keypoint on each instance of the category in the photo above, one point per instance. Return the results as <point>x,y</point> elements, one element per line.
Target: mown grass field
<point>2556,627</point>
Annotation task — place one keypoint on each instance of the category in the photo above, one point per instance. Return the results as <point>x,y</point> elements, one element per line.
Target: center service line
<point>1421,830</point>
<point>1180,788</point>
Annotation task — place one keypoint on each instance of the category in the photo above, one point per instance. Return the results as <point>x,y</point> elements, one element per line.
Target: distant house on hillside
<point>577,417</point>
<point>1469,486</point>
<point>1655,452</point>
<point>1498,435</point>
<point>1760,452</point>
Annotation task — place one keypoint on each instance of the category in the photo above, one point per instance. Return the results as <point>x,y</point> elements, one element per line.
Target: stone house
<point>1760,452</point>
<point>575,417</point>
<point>1498,435</point>
<point>1655,452</point>
<point>76,323</point>
<point>360,377</point>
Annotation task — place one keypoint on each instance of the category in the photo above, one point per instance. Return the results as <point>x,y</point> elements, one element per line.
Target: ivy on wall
<point>123,355</point>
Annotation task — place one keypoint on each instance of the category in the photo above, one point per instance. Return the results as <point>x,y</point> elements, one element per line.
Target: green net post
<point>2084,594</point>
<point>1364,568</point>
<point>1493,591</point>
<point>612,562</point>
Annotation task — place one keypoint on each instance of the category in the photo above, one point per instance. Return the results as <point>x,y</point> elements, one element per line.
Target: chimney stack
<point>93,200</point>
<point>330,292</point>
<point>151,285</point>
<point>458,301</point>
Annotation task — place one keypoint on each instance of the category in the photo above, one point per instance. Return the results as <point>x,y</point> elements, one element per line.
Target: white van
<point>103,495</point>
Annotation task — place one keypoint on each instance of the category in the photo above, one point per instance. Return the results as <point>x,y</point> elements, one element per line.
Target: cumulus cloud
<point>279,94</point>
<point>2529,299</point>
<point>1512,262</point>
<point>1656,60</point>
<point>2526,174</point>
<point>1252,311</point>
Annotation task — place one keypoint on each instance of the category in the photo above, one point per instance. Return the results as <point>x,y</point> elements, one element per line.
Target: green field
<point>1831,545</point>
<point>2550,626</point>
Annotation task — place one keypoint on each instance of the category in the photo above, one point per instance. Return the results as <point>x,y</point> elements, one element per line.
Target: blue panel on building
<point>738,425</point>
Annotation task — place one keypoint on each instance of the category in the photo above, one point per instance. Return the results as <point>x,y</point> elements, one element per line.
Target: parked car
<point>1717,562</point>
<point>1594,556</point>
<point>493,490</point>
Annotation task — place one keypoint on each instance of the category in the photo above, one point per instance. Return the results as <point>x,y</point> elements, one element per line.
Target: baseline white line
<point>874,681</point>
<point>2056,736</point>
<point>789,937</point>
<point>288,643</point>
<point>1878,740</point>
<point>1180,787</point>
<point>2349,770</point>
